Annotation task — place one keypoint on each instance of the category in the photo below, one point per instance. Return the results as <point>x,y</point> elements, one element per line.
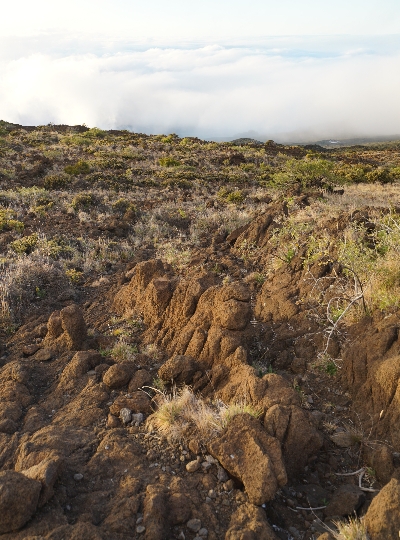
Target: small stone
<point>310,400</point>
<point>194,446</point>
<point>212,494</point>
<point>112,421</point>
<point>29,350</point>
<point>229,485</point>
<point>140,529</point>
<point>222,475</point>
<point>78,477</point>
<point>206,465</point>
<point>203,533</point>
<point>198,538</point>
<point>139,520</point>
<point>43,355</point>
<point>137,418</point>
<point>125,415</point>
<point>181,536</point>
<point>193,466</point>
<point>194,525</point>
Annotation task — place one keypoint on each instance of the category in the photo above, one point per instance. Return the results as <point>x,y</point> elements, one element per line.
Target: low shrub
<point>81,167</point>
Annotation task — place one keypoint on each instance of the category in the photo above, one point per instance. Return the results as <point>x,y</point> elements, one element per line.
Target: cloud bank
<point>297,92</point>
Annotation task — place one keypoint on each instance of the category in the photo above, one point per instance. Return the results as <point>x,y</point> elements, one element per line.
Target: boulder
<point>179,369</point>
<point>346,500</point>
<point>252,456</point>
<point>155,513</point>
<point>46,472</point>
<point>119,375</point>
<point>19,497</point>
<point>380,458</point>
<point>294,428</point>
<point>139,402</point>
<point>383,516</point>
<point>81,363</point>
<point>249,523</point>
<point>179,508</point>
<point>141,378</point>
<point>66,329</point>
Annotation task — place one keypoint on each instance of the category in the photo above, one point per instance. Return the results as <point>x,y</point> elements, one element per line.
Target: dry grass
<point>181,414</point>
<point>353,529</point>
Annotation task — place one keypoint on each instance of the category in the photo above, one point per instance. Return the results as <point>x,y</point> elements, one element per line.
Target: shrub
<point>381,175</point>
<point>26,244</point>
<point>83,200</point>
<point>55,181</point>
<point>168,162</point>
<point>81,167</point>
<point>25,281</point>
<point>7,223</point>
<point>308,173</point>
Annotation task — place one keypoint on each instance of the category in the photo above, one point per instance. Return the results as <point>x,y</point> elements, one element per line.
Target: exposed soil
<point>184,285</point>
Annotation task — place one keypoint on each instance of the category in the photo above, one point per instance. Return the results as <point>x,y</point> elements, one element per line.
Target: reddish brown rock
<point>293,427</point>
<point>155,513</point>
<point>66,329</point>
<point>249,523</point>
<point>383,517</point>
<point>179,508</point>
<point>252,456</point>
<point>19,497</point>
<point>119,375</point>
<point>29,350</point>
<point>43,355</point>
<point>179,369</point>
<point>346,500</point>
<point>138,402</point>
<point>140,379</point>
<point>46,472</point>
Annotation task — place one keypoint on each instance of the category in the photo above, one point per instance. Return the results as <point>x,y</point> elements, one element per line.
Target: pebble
<point>140,529</point>
<point>44,355</point>
<point>78,477</point>
<point>137,418</point>
<point>193,466</point>
<point>206,465</point>
<point>212,494</point>
<point>222,475</point>
<point>194,525</point>
<point>125,415</point>
<point>203,533</point>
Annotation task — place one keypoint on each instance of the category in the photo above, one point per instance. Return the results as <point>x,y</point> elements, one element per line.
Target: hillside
<point>197,339</point>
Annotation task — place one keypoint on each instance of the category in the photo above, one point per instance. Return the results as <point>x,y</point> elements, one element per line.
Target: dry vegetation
<point>81,209</point>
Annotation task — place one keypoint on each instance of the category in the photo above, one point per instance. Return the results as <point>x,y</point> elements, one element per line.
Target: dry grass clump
<point>353,529</point>
<point>25,281</point>
<point>181,414</point>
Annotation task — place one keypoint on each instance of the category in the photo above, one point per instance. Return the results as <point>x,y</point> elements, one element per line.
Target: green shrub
<point>231,196</point>
<point>123,205</point>
<point>7,223</point>
<point>81,167</point>
<point>168,162</point>
<point>26,244</point>
<point>55,181</point>
<point>83,200</point>
<point>381,175</point>
<point>308,173</point>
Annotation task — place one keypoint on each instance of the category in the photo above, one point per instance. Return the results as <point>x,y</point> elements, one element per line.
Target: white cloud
<point>213,90</point>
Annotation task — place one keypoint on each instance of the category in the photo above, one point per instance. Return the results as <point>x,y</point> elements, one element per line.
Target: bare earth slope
<point>197,340</point>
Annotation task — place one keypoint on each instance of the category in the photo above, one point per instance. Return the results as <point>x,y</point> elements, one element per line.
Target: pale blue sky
<point>287,69</point>
<point>205,18</point>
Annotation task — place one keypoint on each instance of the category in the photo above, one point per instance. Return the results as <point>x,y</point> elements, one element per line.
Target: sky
<point>285,70</point>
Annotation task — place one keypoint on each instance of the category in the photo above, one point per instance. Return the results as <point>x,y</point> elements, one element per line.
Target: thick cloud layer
<point>299,92</point>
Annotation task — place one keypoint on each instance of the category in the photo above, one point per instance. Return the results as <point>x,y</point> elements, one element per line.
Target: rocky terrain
<point>197,340</point>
